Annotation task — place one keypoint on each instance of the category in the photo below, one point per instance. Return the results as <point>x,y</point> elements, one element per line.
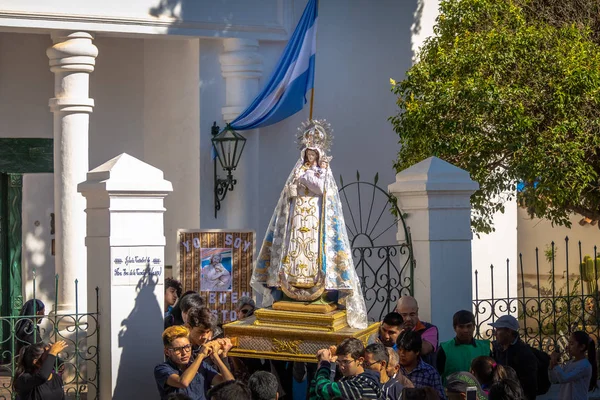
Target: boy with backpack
<point>509,350</point>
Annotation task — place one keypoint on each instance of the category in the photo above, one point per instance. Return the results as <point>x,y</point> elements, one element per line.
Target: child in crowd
<point>487,372</point>
<point>201,323</point>
<point>263,386</point>
<point>578,375</point>
<point>172,293</point>
<point>179,374</point>
<point>506,389</point>
<point>357,383</point>
<point>413,367</point>
<point>377,359</point>
<point>230,390</point>
<point>393,369</point>
<point>175,317</point>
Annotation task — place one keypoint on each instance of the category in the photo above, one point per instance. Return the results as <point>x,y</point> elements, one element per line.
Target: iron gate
<point>383,262</point>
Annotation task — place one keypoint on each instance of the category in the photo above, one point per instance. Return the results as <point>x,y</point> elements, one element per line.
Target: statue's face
<point>311,156</point>
<point>215,259</point>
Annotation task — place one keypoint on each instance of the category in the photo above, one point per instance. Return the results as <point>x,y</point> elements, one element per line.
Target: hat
<point>456,386</point>
<point>506,321</point>
<point>458,382</point>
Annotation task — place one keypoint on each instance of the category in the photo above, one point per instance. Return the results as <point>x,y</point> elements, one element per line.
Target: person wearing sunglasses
<point>357,382</point>
<point>245,307</point>
<point>181,374</point>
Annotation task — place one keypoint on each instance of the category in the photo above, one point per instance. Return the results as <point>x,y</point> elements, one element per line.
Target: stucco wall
<point>537,233</point>
<point>357,53</point>
<point>146,105</point>
<point>496,249</point>
<point>38,204</point>
<point>26,85</point>
<point>259,19</point>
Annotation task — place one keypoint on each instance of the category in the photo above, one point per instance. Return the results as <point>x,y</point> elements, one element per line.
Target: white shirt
<point>574,378</point>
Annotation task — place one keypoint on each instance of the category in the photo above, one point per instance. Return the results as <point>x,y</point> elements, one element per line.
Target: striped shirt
<point>362,386</point>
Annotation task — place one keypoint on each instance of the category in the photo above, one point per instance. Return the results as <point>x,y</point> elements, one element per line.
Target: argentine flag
<point>285,93</point>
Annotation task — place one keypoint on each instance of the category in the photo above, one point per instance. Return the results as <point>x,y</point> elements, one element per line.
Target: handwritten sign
<point>218,265</point>
<point>130,264</point>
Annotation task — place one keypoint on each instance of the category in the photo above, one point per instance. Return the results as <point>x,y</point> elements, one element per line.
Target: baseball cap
<point>458,382</point>
<point>506,321</point>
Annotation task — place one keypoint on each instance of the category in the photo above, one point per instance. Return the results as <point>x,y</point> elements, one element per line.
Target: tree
<point>509,90</point>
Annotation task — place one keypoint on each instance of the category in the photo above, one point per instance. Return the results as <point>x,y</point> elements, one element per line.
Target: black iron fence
<point>555,293</point>
<point>372,222</point>
<point>77,364</point>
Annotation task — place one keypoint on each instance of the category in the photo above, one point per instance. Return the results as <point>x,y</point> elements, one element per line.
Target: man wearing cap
<point>509,350</point>
<point>408,308</point>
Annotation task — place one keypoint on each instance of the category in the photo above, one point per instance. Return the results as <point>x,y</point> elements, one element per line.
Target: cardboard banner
<point>217,264</point>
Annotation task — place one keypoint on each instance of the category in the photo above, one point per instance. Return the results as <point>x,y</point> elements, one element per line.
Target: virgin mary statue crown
<point>315,134</point>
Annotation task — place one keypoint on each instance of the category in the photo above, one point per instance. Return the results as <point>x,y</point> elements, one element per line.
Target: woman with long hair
<point>27,330</point>
<point>577,376</point>
<point>35,378</point>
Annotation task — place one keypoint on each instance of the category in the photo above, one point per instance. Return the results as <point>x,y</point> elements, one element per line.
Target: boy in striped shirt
<point>357,383</point>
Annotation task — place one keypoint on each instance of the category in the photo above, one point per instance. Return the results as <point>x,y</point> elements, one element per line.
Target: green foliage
<point>550,253</point>
<point>510,90</point>
<point>589,273</point>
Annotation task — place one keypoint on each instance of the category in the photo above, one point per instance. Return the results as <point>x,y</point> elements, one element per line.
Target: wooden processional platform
<point>292,331</point>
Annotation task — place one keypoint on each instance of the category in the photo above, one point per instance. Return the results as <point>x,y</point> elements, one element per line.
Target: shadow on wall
<point>135,377</point>
<point>166,8</point>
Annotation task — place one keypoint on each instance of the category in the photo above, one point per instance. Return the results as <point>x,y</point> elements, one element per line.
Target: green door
<point>17,157</point>
<point>10,243</point>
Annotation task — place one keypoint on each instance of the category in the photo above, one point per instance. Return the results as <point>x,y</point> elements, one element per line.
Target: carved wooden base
<point>305,307</point>
<point>294,342</point>
<point>324,322</point>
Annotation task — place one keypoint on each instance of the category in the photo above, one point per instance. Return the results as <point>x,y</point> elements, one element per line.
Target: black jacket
<point>520,357</point>
<point>36,386</point>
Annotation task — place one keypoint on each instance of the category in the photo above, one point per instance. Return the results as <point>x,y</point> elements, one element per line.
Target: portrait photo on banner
<point>215,274</point>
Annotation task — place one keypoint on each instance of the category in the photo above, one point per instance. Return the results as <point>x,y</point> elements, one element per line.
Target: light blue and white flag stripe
<point>285,93</point>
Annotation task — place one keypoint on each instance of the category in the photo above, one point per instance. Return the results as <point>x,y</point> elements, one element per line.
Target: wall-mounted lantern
<point>228,146</point>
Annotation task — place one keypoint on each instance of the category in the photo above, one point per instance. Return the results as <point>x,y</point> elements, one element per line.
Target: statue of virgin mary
<point>306,252</point>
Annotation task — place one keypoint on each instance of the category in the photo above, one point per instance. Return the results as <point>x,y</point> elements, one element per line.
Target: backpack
<point>543,381</point>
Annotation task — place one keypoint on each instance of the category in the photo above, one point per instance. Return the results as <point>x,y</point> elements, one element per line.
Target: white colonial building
<point>95,79</point>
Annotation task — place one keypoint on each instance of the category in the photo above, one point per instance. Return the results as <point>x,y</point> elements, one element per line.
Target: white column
<point>72,59</point>
<point>436,197</point>
<point>126,246</point>
<point>241,66</point>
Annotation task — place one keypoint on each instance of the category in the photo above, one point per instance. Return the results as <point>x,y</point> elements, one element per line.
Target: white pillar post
<point>72,59</point>
<point>436,197</point>
<point>241,66</point>
<point>126,245</point>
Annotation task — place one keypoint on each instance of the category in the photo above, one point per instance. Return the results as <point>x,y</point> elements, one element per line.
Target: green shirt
<point>458,357</point>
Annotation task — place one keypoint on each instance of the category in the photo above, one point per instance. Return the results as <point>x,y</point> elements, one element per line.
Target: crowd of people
<point>403,360</point>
